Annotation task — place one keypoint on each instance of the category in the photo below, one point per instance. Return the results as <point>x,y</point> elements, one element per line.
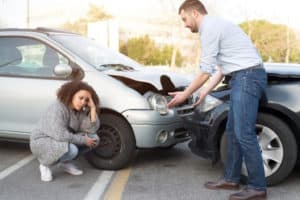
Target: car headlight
<point>158,103</point>
<point>209,103</point>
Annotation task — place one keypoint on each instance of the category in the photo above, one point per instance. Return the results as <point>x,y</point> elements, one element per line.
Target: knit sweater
<point>58,127</point>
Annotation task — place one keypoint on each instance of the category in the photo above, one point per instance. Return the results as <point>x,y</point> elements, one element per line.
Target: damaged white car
<point>133,113</point>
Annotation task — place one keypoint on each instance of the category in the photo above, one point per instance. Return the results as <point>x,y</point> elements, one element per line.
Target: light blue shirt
<point>226,45</point>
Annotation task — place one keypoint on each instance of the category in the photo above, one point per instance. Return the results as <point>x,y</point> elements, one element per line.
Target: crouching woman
<point>67,129</point>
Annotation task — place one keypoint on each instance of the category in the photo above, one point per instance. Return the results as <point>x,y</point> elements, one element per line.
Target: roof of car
<point>39,30</point>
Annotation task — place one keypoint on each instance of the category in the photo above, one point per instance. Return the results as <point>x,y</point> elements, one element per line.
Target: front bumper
<point>147,125</point>
<point>206,130</point>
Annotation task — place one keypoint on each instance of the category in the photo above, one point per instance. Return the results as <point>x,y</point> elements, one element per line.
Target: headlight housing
<point>208,104</point>
<point>158,103</point>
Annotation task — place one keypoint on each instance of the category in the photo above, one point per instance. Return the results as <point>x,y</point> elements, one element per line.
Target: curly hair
<point>66,92</point>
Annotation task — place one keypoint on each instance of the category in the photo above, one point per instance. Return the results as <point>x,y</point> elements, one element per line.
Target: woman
<point>66,129</point>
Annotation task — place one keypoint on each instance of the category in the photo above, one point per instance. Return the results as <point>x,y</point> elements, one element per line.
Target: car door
<point>28,83</point>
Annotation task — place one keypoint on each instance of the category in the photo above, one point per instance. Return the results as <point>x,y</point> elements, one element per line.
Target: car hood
<point>150,75</point>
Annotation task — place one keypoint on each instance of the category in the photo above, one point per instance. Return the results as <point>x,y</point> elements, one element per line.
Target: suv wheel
<point>117,144</point>
<point>278,146</point>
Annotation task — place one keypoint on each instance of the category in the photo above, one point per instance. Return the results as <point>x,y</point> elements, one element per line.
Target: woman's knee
<point>73,150</point>
<point>71,154</point>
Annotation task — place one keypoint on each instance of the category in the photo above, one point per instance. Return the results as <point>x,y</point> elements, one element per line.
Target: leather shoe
<point>221,184</point>
<point>249,194</point>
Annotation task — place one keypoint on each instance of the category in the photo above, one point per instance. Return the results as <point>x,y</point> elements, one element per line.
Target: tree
<point>274,41</point>
<point>145,51</point>
<point>95,13</point>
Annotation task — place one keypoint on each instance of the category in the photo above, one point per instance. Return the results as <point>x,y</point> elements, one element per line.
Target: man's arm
<point>199,80</point>
<point>179,97</point>
<point>213,81</point>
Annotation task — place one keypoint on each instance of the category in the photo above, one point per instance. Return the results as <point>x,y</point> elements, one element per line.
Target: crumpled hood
<point>151,75</point>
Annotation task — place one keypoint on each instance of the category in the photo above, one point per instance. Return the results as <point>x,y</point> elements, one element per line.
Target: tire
<point>274,136</point>
<point>117,144</point>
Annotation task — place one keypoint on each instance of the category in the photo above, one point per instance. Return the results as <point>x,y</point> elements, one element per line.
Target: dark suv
<point>278,123</point>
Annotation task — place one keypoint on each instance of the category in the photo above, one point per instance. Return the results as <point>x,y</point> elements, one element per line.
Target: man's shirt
<point>226,45</point>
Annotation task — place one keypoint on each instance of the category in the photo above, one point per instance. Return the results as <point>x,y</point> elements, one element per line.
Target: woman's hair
<point>193,5</point>
<point>66,92</point>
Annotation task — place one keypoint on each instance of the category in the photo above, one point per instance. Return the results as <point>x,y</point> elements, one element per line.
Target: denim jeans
<point>74,152</point>
<point>247,86</point>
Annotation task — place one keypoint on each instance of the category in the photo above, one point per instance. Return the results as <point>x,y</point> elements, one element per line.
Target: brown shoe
<point>249,194</point>
<point>221,184</point>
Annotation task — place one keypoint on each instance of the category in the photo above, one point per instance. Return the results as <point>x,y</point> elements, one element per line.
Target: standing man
<point>226,49</point>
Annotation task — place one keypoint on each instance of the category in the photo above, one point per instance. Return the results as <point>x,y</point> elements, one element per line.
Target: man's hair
<point>193,5</point>
<point>66,92</point>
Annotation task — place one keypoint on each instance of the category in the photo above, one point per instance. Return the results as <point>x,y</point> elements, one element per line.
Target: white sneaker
<point>71,168</point>
<point>46,174</point>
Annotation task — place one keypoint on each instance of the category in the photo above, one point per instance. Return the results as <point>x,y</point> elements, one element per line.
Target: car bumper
<point>206,130</point>
<point>149,127</point>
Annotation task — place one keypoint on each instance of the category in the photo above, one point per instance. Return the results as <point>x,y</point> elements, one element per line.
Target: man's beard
<point>194,30</point>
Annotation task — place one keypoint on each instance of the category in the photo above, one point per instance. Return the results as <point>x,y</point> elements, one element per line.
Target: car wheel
<point>278,146</point>
<point>117,144</point>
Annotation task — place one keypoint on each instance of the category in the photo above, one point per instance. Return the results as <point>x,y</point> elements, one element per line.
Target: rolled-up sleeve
<point>209,39</point>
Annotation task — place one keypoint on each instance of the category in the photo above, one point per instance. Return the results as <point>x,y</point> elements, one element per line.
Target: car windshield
<point>96,55</point>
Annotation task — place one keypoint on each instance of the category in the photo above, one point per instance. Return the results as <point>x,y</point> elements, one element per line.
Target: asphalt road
<point>155,174</point>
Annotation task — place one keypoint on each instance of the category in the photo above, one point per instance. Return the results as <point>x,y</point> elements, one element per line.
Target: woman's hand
<point>90,142</point>
<point>93,110</point>
<point>91,103</point>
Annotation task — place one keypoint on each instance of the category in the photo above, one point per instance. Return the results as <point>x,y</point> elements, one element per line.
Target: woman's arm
<point>90,123</point>
<point>55,124</point>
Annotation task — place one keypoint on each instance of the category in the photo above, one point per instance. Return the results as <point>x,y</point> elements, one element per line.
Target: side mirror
<point>63,70</point>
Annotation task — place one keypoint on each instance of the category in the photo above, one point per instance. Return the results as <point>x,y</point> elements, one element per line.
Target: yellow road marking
<point>117,186</point>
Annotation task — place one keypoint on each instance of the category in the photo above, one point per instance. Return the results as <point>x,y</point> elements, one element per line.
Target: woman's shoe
<point>46,174</point>
<point>70,168</point>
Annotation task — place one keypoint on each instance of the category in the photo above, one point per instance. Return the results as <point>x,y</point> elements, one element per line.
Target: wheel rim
<point>272,150</point>
<point>110,142</point>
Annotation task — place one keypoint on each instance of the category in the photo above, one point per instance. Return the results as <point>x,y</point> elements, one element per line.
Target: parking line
<point>15,167</point>
<point>117,186</point>
<point>100,185</point>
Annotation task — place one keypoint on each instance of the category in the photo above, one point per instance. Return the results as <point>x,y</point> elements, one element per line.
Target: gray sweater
<point>51,137</point>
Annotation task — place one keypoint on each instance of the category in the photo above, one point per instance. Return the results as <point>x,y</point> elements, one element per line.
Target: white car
<point>34,63</point>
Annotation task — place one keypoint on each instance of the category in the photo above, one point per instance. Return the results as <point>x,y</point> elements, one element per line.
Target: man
<point>226,49</point>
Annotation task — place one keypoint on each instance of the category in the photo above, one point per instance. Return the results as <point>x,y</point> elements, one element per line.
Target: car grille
<point>181,133</point>
<point>186,110</point>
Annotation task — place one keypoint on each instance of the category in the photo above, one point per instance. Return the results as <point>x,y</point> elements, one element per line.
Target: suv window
<point>28,57</point>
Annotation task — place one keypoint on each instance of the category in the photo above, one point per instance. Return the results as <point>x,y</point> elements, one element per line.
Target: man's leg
<point>245,115</point>
<point>247,94</point>
<point>234,155</point>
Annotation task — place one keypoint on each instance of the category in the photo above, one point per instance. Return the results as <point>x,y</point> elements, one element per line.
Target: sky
<point>53,12</point>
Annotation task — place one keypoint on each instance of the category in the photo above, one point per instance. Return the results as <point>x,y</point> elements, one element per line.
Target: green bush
<point>272,40</point>
<point>145,51</point>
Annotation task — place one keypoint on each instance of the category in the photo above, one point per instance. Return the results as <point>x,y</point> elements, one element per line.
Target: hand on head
<point>90,102</point>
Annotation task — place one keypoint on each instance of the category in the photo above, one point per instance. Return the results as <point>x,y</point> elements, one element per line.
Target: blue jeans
<point>247,86</point>
<point>73,152</point>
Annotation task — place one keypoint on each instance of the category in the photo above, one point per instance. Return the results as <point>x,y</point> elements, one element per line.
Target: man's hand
<point>200,99</point>
<point>178,98</point>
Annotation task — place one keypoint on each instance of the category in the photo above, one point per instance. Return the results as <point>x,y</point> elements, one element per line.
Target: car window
<point>28,57</point>
<point>96,55</point>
